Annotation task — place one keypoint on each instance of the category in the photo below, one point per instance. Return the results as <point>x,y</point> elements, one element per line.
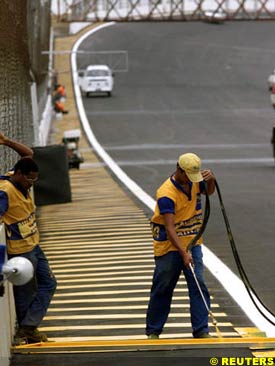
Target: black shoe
<point>153,336</point>
<point>27,335</point>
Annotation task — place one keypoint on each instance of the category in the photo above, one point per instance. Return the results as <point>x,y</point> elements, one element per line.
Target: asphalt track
<point>198,87</point>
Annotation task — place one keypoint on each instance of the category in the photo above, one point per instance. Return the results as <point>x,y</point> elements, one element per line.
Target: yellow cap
<point>191,164</point>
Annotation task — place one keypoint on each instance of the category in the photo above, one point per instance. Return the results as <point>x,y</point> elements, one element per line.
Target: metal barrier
<point>7,315</point>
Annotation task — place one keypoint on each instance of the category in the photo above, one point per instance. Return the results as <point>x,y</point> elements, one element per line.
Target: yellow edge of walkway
<point>255,342</point>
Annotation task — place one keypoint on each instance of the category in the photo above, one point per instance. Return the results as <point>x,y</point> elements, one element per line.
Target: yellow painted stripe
<point>110,299</point>
<point>130,337</point>
<point>126,278</point>
<point>131,241</point>
<point>120,326</point>
<point>96,222</point>
<point>119,307</point>
<point>100,244</point>
<point>101,263</point>
<point>95,245</point>
<point>103,232</point>
<point>91,251</point>
<point>87,270</point>
<point>118,316</point>
<point>264,354</point>
<point>114,292</point>
<point>76,227</point>
<point>82,257</point>
<point>102,274</point>
<point>97,211</point>
<point>135,343</point>
<point>56,263</point>
<point>250,332</point>
<point>91,217</point>
<point>107,219</point>
<point>79,235</point>
<point>102,285</point>
<point>99,235</point>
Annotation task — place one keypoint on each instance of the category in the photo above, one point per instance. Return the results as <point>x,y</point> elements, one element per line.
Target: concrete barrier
<point>7,316</point>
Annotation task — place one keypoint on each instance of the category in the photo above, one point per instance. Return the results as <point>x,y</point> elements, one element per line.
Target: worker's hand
<point>207,175</point>
<point>2,138</point>
<point>187,259</point>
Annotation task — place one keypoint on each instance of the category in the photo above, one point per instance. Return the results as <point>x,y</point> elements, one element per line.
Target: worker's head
<point>25,172</point>
<point>189,166</point>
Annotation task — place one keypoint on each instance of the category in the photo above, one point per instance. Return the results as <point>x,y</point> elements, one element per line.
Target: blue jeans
<point>167,272</point>
<point>33,299</point>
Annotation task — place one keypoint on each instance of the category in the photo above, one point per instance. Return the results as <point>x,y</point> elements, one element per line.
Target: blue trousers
<point>167,272</point>
<point>33,299</point>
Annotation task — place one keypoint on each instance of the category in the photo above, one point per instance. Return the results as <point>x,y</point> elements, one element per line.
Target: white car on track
<point>216,17</point>
<point>96,79</point>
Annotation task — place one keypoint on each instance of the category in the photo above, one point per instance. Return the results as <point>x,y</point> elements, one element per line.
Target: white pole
<point>35,113</point>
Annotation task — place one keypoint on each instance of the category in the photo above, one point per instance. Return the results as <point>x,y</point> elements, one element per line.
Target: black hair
<point>26,165</point>
<point>178,166</point>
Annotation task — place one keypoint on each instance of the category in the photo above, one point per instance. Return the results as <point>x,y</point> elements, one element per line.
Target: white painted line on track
<point>166,162</point>
<point>181,146</point>
<point>228,279</point>
<point>185,112</point>
<point>184,146</point>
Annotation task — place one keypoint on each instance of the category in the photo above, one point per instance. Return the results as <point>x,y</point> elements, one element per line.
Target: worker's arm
<point>173,237</point>
<point>209,178</point>
<point>21,149</point>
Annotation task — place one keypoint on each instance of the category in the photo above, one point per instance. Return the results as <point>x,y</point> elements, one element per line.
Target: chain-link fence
<point>24,33</point>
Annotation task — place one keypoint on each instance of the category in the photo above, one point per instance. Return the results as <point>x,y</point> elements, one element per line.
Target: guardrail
<point>7,316</point>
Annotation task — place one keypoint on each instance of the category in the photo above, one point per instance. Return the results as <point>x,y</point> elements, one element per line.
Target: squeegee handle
<point>198,285</point>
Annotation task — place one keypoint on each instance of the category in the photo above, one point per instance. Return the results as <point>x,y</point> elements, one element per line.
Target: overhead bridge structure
<point>177,10</point>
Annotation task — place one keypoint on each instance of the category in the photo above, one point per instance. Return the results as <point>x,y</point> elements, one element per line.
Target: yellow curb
<point>92,346</point>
